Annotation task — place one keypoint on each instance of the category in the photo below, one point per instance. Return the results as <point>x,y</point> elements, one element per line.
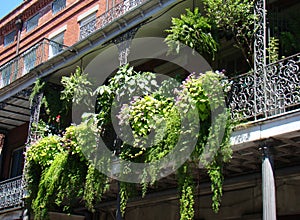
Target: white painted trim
<point>263,130</point>
<point>57,32</point>
<point>87,13</point>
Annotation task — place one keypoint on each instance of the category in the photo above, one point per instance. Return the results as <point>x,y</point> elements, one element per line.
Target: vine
<point>186,190</point>
<point>273,50</point>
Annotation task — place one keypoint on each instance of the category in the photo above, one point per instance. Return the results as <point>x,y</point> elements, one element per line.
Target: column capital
<point>266,150</point>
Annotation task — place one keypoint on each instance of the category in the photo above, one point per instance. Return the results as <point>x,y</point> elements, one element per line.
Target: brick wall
<point>48,23</point>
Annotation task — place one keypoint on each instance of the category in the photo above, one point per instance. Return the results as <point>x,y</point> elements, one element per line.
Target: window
<point>56,44</point>
<point>5,74</point>
<point>32,22</point>
<point>9,38</point>
<point>17,162</point>
<point>58,5</point>
<point>29,59</point>
<point>89,19</point>
<point>87,25</point>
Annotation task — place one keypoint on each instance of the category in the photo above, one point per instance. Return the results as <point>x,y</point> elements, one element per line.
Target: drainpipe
<point>19,25</point>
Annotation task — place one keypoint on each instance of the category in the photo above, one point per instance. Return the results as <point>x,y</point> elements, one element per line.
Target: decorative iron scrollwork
<point>11,193</point>
<point>251,99</point>
<point>109,16</point>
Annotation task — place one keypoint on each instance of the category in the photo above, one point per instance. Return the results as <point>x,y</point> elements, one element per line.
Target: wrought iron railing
<point>27,60</point>
<point>272,92</point>
<point>11,193</point>
<point>121,7</point>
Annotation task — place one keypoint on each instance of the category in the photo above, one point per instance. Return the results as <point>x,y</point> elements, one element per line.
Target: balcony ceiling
<point>14,111</point>
<point>242,171</point>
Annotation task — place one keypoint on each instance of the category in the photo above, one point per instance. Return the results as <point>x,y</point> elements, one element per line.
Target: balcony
<point>11,193</point>
<point>28,60</point>
<point>253,97</point>
<point>274,92</point>
<point>109,16</point>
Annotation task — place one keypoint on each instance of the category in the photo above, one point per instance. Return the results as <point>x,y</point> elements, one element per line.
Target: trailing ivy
<point>47,187</point>
<point>37,88</point>
<point>55,173</point>
<point>124,196</point>
<point>207,90</point>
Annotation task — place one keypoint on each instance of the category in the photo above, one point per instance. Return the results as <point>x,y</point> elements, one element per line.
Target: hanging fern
<point>193,30</point>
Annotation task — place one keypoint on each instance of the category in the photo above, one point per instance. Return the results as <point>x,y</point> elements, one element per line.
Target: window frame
<point>6,73</point>
<point>87,17</point>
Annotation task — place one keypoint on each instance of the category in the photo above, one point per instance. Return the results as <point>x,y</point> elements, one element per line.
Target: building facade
<point>48,39</point>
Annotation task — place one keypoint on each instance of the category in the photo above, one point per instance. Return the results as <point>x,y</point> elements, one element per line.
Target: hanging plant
<point>68,176</point>
<point>193,30</point>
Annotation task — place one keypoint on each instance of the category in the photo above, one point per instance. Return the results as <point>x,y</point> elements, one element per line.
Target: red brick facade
<point>48,23</point>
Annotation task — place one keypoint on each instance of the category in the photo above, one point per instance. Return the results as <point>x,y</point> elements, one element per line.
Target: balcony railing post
<point>260,57</point>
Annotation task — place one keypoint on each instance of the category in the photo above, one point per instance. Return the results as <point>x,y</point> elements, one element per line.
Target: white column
<point>268,187</point>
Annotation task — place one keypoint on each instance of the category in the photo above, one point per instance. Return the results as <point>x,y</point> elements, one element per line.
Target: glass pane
<point>6,73</point>
<point>17,163</point>
<point>29,60</point>
<point>9,38</point>
<point>56,45</point>
<point>58,5</point>
<point>32,22</point>
<point>88,19</point>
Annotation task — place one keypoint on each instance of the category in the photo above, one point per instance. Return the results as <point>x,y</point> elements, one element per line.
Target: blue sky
<point>8,5</point>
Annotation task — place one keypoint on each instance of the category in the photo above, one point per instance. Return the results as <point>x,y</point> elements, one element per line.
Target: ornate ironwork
<point>109,16</point>
<point>279,94</point>
<point>26,61</point>
<point>34,117</point>
<point>260,36</point>
<point>123,43</point>
<point>11,193</point>
<point>259,54</point>
<point>282,89</point>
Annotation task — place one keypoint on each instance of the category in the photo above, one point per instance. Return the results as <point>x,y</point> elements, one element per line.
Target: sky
<point>7,6</point>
